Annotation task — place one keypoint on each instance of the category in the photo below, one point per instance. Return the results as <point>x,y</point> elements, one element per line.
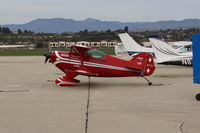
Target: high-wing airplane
<point>82,60</point>
<point>182,46</point>
<point>165,54</point>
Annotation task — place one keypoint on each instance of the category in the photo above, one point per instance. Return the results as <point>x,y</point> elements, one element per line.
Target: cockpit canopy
<point>95,54</point>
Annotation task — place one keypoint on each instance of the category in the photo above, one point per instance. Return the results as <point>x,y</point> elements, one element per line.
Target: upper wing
<point>80,49</point>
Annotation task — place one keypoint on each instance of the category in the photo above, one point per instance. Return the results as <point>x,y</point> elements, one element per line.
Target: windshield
<point>175,46</point>
<point>95,54</point>
<point>185,49</point>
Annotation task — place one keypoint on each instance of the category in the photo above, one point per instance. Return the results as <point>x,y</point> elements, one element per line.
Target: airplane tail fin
<point>143,62</point>
<point>120,50</point>
<point>131,45</point>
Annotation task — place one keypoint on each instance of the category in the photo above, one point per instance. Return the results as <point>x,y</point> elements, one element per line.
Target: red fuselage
<point>107,66</point>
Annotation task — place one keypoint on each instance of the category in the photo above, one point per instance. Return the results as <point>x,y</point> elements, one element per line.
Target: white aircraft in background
<point>182,46</point>
<point>120,50</point>
<point>130,46</point>
<point>166,54</point>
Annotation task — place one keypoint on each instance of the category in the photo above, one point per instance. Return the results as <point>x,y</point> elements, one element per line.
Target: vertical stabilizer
<point>131,45</point>
<point>120,50</point>
<point>143,62</point>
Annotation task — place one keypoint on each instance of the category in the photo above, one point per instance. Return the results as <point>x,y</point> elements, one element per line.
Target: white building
<point>84,43</point>
<point>102,44</point>
<point>111,44</point>
<point>95,44</point>
<point>6,47</point>
<point>54,44</point>
<point>61,45</point>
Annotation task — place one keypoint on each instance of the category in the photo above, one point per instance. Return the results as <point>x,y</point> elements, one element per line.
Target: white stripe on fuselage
<point>91,64</point>
<point>67,62</point>
<point>67,59</point>
<point>60,59</point>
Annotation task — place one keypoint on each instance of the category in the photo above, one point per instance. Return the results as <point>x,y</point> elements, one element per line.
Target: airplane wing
<point>165,52</point>
<point>80,49</point>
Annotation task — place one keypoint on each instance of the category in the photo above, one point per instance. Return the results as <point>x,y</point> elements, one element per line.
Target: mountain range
<point>60,25</point>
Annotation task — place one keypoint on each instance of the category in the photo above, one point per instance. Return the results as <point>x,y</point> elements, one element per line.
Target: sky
<point>23,11</point>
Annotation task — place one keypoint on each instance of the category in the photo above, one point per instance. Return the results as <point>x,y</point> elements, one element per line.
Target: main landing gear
<point>149,83</point>
<point>68,79</point>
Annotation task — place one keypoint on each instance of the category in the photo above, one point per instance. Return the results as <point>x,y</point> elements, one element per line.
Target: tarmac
<point>30,102</point>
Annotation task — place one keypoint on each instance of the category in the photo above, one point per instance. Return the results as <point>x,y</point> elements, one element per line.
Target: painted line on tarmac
<point>161,84</point>
<point>14,90</point>
<point>50,80</point>
<point>87,107</point>
<point>181,127</point>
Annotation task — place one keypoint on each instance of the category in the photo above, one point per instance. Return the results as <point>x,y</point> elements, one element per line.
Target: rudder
<point>143,62</point>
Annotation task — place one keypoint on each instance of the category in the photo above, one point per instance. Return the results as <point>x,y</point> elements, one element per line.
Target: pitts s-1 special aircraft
<point>82,60</point>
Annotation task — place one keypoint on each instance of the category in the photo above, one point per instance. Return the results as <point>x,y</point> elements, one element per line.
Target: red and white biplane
<point>82,60</point>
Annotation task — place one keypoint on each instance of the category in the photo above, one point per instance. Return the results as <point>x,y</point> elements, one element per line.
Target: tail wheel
<point>150,83</point>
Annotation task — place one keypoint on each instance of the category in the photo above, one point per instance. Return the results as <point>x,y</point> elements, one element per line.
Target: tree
<point>25,31</point>
<point>6,30</point>
<point>40,45</point>
<point>126,29</point>
<point>19,31</point>
<point>108,31</point>
<point>85,32</point>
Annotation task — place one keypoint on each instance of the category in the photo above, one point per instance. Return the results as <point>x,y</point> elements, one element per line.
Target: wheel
<point>198,97</point>
<point>150,84</point>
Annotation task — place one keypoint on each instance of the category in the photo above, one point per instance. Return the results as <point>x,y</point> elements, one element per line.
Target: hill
<point>60,25</point>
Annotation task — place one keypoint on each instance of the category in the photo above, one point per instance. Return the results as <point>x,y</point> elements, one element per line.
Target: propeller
<point>48,56</point>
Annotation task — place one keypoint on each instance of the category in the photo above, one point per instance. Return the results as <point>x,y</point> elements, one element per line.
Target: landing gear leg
<point>149,83</point>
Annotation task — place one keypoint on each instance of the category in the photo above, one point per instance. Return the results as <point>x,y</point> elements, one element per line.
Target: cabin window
<point>175,46</point>
<point>95,54</point>
<point>185,49</point>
